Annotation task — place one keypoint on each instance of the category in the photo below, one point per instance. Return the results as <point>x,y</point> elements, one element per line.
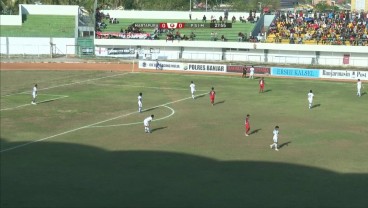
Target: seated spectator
<point>185,37</point>
<point>240,37</point>
<point>223,38</point>
<point>169,36</point>
<point>177,35</point>
<point>192,36</point>
<point>242,19</point>
<point>233,20</point>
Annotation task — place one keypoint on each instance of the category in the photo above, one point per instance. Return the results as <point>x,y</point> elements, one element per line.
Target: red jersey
<point>261,82</point>
<point>212,94</point>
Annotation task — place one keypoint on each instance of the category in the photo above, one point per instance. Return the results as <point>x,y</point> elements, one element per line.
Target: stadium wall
<point>36,46</point>
<point>235,51</point>
<point>15,20</point>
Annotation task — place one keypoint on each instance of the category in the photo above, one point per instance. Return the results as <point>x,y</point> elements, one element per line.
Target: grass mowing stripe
<point>87,126</point>
<point>161,88</point>
<point>44,101</point>
<point>88,80</point>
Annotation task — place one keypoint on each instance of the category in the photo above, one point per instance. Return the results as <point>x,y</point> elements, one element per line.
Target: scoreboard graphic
<point>193,25</point>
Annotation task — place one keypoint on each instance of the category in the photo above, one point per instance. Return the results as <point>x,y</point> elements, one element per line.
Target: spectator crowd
<point>327,28</point>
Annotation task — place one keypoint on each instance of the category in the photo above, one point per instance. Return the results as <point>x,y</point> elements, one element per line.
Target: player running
<point>275,138</point>
<point>247,125</point>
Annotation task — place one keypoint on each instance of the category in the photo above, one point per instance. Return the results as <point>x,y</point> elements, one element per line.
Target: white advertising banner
<point>116,52</point>
<point>162,65</point>
<point>201,67</point>
<point>343,74</point>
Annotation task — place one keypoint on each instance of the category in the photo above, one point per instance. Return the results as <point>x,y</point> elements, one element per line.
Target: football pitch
<point>84,145</point>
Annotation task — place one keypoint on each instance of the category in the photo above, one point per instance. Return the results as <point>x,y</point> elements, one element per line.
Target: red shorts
<point>212,99</point>
<point>261,86</point>
<point>247,126</point>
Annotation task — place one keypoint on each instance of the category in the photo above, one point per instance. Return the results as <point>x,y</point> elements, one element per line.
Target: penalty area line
<point>86,126</point>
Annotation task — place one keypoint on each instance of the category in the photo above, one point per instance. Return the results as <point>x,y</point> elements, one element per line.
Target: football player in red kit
<point>212,96</point>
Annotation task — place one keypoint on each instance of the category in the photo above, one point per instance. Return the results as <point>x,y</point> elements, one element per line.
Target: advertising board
<point>295,72</point>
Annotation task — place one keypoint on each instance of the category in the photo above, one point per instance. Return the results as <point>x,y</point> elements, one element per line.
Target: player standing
<point>359,87</point>
<point>251,73</point>
<point>34,94</point>
<point>147,123</point>
<point>310,98</point>
<point>192,89</point>
<point>247,125</point>
<point>261,85</point>
<point>140,102</point>
<point>212,96</point>
<point>275,138</point>
<point>244,75</point>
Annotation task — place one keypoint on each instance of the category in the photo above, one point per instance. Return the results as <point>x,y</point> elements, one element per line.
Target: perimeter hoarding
<point>343,74</point>
<point>295,72</point>
<point>200,67</point>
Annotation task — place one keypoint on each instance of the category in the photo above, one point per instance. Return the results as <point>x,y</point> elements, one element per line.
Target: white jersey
<point>34,91</point>
<point>359,84</point>
<point>147,121</point>
<point>310,96</point>
<point>192,87</point>
<point>275,135</point>
<point>251,70</point>
<point>139,99</point>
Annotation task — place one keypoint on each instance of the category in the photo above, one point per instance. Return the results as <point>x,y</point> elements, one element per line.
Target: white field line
<point>142,86</point>
<point>83,127</point>
<point>129,124</point>
<point>43,101</point>
<point>72,83</point>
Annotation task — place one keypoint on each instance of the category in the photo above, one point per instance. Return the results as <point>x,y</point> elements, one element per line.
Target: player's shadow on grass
<point>46,101</point>
<point>269,90</point>
<point>316,106</point>
<point>199,96</point>
<point>364,93</point>
<point>255,131</point>
<point>284,144</point>
<point>158,128</point>
<point>149,109</point>
<point>219,102</point>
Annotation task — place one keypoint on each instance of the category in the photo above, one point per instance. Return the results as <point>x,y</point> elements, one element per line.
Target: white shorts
<point>310,100</point>
<point>140,104</point>
<point>34,95</point>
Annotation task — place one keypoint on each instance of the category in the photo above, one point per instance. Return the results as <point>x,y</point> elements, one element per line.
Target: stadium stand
<point>327,28</point>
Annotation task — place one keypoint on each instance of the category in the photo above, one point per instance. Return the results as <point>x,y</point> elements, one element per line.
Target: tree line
<point>11,6</point>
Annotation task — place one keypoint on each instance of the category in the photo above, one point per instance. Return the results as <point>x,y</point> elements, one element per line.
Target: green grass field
<point>84,144</point>
<point>41,26</point>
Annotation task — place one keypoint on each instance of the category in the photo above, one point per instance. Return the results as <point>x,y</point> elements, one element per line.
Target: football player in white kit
<point>147,122</point>
<point>192,89</point>
<point>359,87</point>
<point>275,138</point>
<point>34,94</point>
<point>310,98</point>
<point>140,102</point>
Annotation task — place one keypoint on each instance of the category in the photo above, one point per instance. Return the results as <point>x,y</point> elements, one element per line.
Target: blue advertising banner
<point>294,72</point>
